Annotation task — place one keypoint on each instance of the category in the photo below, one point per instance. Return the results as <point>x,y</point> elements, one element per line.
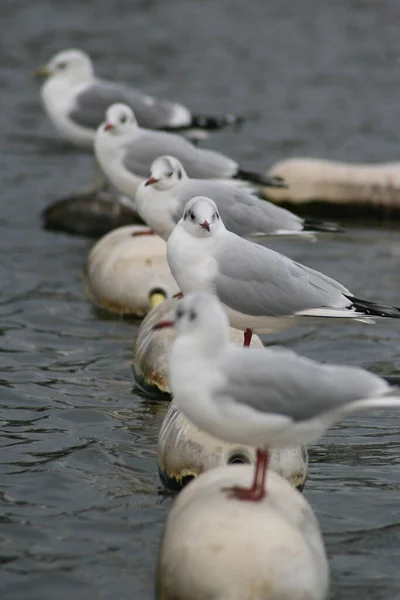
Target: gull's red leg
<point>248,334</point>
<point>257,491</point>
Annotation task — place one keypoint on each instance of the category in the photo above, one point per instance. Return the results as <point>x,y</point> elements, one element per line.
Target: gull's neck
<point>156,207</point>
<point>58,96</point>
<point>192,260</point>
<point>205,344</point>
<point>110,154</point>
<point>194,375</point>
<point>70,85</point>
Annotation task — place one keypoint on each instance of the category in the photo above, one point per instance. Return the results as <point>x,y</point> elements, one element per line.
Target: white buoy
<point>123,269</point>
<point>151,348</point>
<point>184,452</point>
<point>218,548</point>
<point>375,185</point>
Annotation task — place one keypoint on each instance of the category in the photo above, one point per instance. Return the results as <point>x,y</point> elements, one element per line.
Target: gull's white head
<point>201,217</point>
<point>119,120</point>
<point>200,315</point>
<point>166,173</point>
<point>73,66</point>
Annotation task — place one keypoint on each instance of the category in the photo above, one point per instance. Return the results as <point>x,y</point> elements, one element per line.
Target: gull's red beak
<point>108,126</point>
<point>151,181</point>
<point>205,225</point>
<point>162,324</point>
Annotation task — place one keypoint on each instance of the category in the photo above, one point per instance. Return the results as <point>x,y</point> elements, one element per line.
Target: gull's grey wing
<point>280,381</point>
<point>92,103</point>
<point>197,163</point>
<point>149,145</point>
<point>258,281</point>
<point>241,212</point>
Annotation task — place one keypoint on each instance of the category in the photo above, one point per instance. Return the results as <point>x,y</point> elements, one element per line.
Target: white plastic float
<point>184,452</point>
<point>376,187</point>
<point>151,348</point>
<point>225,549</point>
<point>123,269</point>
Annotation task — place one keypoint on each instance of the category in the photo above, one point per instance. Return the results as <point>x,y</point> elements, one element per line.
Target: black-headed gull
<point>76,100</point>
<point>268,398</point>
<point>256,284</point>
<point>162,198</point>
<point>126,151</point>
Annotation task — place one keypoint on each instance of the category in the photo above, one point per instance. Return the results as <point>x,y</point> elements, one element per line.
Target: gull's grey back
<point>91,105</point>
<point>149,145</point>
<point>241,212</point>
<point>279,381</point>
<point>261,282</point>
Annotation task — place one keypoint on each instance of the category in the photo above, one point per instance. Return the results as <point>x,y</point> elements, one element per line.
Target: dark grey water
<point>80,513</point>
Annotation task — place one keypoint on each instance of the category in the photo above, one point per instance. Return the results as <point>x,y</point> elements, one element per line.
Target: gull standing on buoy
<point>161,201</point>
<point>126,151</point>
<point>262,289</point>
<point>269,398</point>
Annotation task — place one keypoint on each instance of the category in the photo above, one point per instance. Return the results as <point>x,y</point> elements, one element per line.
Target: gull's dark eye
<point>170,174</point>
<point>191,215</point>
<point>215,216</point>
<point>61,65</point>
<point>192,315</point>
<point>179,174</point>
<point>122,119</point>
<point>179,313</point>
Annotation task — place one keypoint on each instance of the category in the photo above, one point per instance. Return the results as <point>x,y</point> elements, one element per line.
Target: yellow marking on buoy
<point>156,298</point>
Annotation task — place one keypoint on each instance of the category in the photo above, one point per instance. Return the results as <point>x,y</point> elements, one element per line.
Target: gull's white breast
<point>110,152</point>
<point>191,261</point>
<point>155,207</point>
<point>58,97</point>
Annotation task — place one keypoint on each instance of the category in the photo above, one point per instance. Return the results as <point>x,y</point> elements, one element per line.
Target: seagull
<point>256,284</point>
<point>76,100</point>
<point>126,151</point>
<point>263,397</point>
<point>161,201</point>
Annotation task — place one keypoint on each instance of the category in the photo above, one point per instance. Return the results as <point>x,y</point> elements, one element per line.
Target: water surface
<point>79,503</point>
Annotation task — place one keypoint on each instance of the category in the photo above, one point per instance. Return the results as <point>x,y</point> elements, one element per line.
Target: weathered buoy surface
<point>92,215</point>
<point>337,188</point>
<point>184,452</point>
<point>218,548</point>
<point>151,348</point>
<point>124,268</point>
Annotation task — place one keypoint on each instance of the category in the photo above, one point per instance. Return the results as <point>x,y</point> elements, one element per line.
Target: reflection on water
<point>80,510</point>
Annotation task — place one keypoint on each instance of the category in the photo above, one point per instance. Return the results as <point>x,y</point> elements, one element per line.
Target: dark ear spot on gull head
<point>189,214</point>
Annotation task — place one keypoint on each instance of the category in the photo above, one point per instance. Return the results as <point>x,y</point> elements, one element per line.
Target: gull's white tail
<point>385,401</point>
